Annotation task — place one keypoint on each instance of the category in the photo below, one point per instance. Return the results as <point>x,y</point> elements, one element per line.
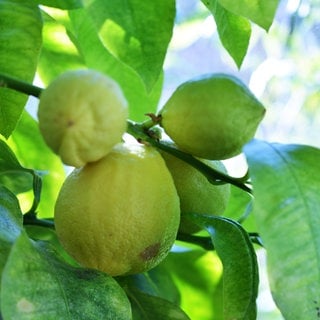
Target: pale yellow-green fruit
<point>120,214</point>
<point>212,117</point>
<point>82,115</point>
<point>196,193</point>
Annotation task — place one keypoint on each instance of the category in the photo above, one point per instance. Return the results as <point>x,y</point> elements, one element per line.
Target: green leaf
<point>145,307</point>
<point>287,209</point>
<point>234,30</point>
<point>136,32</point>
<point>10,217</point>
<point>8,160</point>
<point>10,223</point>
<point>261,12</point>
<point>162,278</point>
<point>197,274</point>
<point>36,284</point>
<point>20,44</point>
<point>157,282</point>
<point>62,4</point>
<point>95,56</point>
<point>27,137</point>
<point>240,269</point>
<point>58,53</point>
<point>17,178</point>
<point>239,208</point>
<point>12,174</point>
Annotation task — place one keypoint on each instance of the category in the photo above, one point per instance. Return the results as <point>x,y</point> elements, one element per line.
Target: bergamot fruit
<point>196,193</point>
<point>120,214</point>
<point>212,117</point>
<point>82,115</point>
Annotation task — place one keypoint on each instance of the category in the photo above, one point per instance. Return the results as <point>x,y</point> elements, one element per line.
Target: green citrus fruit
<point>196,193</point>
<point>212,117</point>
<point>82,115</point>
<point>120,214</point>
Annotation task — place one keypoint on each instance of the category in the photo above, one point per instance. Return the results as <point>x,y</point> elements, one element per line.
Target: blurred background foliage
<point>282,68</point>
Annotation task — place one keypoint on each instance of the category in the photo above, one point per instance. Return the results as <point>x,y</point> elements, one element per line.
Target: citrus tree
<point>148,224</point>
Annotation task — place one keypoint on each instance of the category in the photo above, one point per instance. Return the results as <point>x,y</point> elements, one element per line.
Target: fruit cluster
<point>120,209</point>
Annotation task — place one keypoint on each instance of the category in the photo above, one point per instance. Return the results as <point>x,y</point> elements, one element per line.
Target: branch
<point>18,85</point>
<point>214,176</point>
<point>31,219</point>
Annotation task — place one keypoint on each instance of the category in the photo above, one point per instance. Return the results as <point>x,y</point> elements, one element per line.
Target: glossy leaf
<point>240,269</point>
<point>136,32</point>
<point>20,44</point>
<point>261,12</point>
<point>95,55</point>
<point>234,30</point>
<point>287,209</point>
<point>36,284</point>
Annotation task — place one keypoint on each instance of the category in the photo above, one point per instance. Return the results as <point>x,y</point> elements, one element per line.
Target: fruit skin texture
<point>82,115</point>
<point>212,117</point>
<point>196,193</point>
<point>121,214</point>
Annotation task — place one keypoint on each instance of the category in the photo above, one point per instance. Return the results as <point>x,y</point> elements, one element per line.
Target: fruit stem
<point>151,122</point>
<point>215,177</point>
<point>19,85</point>
<point>31,219</point>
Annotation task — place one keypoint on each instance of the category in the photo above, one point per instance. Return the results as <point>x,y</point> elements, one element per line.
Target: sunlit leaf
<point>58,53</point>
<point>95,55</point>
<point>20,44</point>
<point>286,186</point>
<point>234,30</point>
<point>36,284</point>
<point>259,11</point>
<point>197,274</point>
<point>136,32</point>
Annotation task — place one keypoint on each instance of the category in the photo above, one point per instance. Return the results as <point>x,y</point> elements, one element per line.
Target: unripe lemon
<point>120,214</point>
<point>82,115</point>
<point>212,117</point>
<point>196,193</point>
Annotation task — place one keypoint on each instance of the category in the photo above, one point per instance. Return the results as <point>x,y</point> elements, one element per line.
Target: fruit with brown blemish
<point>120,214</point>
